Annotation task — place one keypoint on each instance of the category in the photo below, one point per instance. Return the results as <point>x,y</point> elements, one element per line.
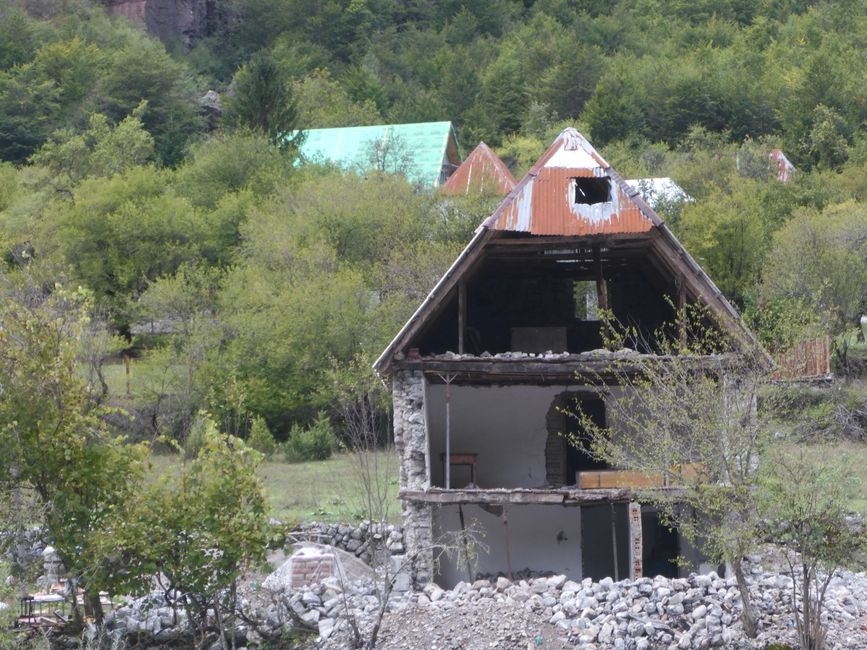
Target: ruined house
<point>482,370</point>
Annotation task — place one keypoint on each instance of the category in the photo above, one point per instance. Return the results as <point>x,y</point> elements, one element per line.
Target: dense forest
<point>244,284</point>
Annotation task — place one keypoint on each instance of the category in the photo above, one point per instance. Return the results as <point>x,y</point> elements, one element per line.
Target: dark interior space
<point>541,302</point>
<point>590,190</point>
<point>578,457</point>
<point>599,538</point>
<point>661,546</point>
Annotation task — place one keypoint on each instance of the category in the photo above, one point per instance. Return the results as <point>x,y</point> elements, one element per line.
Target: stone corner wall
<point>410,440</point>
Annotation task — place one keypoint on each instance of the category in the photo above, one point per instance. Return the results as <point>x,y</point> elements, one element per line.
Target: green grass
<point>146,376</point>
<point>325,490</point>
<point>853,455</point>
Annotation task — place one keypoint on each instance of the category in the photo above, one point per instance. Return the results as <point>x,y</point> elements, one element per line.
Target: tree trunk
<point>93,606</point>
<point>748,616</point>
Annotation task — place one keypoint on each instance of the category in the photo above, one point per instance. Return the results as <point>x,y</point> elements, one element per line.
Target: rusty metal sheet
<point>544,202</point>
<point>781,166</point>
<point>545,206</point>
<point>482,171</point>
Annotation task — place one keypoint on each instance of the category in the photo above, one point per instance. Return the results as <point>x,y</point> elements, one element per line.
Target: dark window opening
<point>579,457</point>
<point>661,546</point>
<point>586,298</point>
<point>592,190</point>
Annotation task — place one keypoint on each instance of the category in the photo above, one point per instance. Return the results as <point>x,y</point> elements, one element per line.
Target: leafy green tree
<point>101,150</point>
<point>323,103</point>
<point>195,532</point>
<point>727,235</point>
<point>805,503</point>
<point>142,70</point>
<point>17,40</point>
<point>53,433</point>
<point>124,231</point>
<point>820,258</point>
<point>230,162</point>
<point>29,111</point>
<point>694,426</point>
<point>262,100</point>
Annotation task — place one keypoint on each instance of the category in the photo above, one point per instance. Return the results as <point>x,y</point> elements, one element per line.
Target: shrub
<point>196,436</point>
<point>260,437</point>
<point>316,442</point>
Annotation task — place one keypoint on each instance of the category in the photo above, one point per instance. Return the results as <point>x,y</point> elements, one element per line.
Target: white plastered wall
<point>504,425</point>
<point>541,537</point>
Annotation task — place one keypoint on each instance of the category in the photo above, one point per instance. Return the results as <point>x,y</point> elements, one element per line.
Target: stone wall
<point>362,540</point>
<point>410,440</point>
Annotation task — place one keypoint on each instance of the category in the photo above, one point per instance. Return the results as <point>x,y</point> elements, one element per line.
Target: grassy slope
<point>326,490</point>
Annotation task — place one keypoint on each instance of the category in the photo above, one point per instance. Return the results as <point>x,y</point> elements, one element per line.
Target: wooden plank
<point>609,479</point>
<point>462,313</point>
<point>564,497</point>
<point>636,541</point>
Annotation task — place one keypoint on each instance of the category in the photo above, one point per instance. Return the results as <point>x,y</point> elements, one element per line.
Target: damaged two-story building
<point>485,370</point>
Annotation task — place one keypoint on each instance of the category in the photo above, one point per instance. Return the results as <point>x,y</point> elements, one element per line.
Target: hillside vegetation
<point>262,279</point>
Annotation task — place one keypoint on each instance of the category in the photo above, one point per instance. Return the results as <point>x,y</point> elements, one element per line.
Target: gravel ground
<point>481,625</point>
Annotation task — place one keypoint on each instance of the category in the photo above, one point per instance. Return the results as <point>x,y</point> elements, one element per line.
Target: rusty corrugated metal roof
<point>482,171</point>
<point>780,165</point>
<point>545,201</point>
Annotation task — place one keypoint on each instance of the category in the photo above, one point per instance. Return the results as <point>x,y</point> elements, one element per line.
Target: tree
<point>53,435</point>
<point>142,70</point>
<point>820,258</point>
<point>688,415</point>
<point>125,231</point>
<point>263,100</point>
<point>804,500</point>
<point>323,102</point>
<point>194,532</point>
<point>101,150</point>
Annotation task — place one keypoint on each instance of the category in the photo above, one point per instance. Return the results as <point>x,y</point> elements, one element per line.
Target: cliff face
<point>172,21</point>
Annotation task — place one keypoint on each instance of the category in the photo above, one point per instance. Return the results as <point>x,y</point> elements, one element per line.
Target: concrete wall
<point>541,538</point>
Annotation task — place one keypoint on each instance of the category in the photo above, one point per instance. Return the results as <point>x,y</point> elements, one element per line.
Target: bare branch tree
<point>687,415</point>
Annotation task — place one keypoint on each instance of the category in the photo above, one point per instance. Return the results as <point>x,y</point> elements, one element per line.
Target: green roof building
<point>426,152</point>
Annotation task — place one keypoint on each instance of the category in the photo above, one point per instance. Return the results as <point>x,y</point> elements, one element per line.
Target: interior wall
<point>541,538</point>
<point>506,426</point>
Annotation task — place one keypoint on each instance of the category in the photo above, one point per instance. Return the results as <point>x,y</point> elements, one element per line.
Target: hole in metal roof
<point>592,190</point>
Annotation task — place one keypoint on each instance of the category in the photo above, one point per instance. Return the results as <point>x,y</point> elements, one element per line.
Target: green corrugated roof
<point>419,150</point>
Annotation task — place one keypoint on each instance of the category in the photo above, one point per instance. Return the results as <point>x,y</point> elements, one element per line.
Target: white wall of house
<point>541,538</point>
<point>504,425</point>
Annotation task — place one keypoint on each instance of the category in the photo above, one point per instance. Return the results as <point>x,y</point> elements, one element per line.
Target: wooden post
<point>462,314</point>
<point>601,285</point>
<point>681,312</point>
<point>636,542</point>
<point>614,542</point>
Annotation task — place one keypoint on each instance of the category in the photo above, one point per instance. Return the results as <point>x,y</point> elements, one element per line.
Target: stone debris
<point>362,540</point>
<point>701,611</point>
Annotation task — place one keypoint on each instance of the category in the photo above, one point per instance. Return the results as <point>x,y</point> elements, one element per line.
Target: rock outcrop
<point>172,21</point>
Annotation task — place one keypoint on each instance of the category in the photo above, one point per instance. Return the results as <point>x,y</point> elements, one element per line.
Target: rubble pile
<point>701,611</point>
